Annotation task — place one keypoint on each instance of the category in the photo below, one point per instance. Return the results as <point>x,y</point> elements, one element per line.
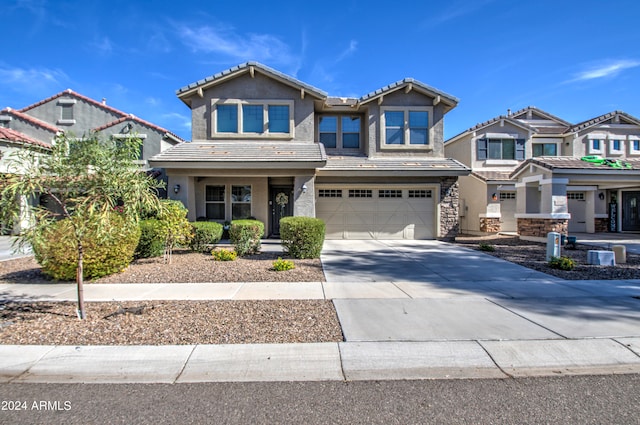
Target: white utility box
<point>553,245</point>
<point>601,258</point>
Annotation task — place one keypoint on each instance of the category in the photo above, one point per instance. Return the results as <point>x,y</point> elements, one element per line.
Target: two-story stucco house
<point>267,145</point>
<point>76,115</point>
<point>529,176</point>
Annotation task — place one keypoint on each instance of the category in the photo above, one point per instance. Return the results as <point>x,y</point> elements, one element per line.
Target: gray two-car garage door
<point>384,212</point>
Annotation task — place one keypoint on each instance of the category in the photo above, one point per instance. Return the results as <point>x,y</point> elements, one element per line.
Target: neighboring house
<point>12,141</point>
<point>266,145</point>
<point>76,115</point>
<point>528,175</point>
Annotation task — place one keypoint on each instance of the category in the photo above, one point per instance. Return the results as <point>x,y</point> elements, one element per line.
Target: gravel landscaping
<point>170,322</point>
<point>233,322</point>
<point>532,255</point>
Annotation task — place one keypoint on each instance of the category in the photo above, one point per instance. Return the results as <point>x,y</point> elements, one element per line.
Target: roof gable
<point>409,84</point>
<point>615,117</point>
<point>248,67</point>
<point>17,137</point>
<point>133,118</point>
<point>79,96</point>
<point>31,120</point>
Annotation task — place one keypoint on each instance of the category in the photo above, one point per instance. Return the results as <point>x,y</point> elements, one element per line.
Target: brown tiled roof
<point>17,137</point>
<point>78,96</point>
<point>350,163</point>
<point>31,120</point>
<point>452,100</point>
<point>131,117</point>
<point>242,154</point>
<point>602,118</point>
<point>573,163</point>
<point>492,175</point>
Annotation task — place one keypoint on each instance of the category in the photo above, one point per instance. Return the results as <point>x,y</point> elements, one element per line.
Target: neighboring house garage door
<point>578,210</point>
<point>508,222</point>
<point>384,212</point>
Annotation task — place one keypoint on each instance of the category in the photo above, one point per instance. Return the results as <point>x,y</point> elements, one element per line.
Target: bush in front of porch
<point>302,237</point>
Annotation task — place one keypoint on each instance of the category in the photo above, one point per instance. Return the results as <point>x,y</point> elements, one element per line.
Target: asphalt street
<point>613,399</point>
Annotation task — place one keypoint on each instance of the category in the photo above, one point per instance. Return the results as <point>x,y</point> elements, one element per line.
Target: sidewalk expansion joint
<point>494,360</point>
<point>627,346</point>
<point>186,362</point>
<point>526,318</point>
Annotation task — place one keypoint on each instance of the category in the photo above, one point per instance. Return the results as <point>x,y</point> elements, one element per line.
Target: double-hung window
<point>405,127</point>
<point>240,202</point>
<point>339,132</point>
<point>616,147</point>
<point>214,202</point>
<point>634,146</point>
<point>252,118</point>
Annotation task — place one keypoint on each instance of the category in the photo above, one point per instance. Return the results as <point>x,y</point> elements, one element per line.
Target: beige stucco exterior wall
<point>471,199</point>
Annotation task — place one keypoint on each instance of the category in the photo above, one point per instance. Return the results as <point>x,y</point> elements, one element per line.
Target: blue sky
<point>574,59</point>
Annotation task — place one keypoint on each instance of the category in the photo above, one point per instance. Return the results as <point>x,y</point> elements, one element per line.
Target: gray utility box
<point>601,258</point>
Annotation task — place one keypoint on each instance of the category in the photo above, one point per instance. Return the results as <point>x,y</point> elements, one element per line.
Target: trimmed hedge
<point>302,237</point>
<point>56,250</point>
<point>152,237</point>
<point>205,235</point>
<point>245,236</point>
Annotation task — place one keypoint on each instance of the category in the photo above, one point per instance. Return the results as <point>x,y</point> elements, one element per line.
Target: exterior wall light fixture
<point>176,188</point>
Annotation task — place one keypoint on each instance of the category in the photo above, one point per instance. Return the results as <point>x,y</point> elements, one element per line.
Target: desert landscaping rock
<point>170,323</point>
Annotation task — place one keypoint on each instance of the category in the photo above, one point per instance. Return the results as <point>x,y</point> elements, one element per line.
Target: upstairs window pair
<point>405,127</point>
<point>253,118</point>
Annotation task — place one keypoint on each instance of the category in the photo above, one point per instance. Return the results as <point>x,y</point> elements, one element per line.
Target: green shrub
<point>483,246</point>
<point>245,236</point>
<point>205,235</point>
<point>56,251</point>
<point>281,265</point>
<point>224,255</point>
<point>152,237</point>
<point>302,237</point>
<point>562,263</point>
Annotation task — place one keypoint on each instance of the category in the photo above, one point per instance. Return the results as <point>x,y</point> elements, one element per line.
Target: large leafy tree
<point>85,180</point>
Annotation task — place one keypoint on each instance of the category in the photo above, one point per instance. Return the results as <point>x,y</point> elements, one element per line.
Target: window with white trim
<point>252,118</point>
<point>595,146</point>
<point>634,146</point>
<point>405,127</point>
<point>616,146</point>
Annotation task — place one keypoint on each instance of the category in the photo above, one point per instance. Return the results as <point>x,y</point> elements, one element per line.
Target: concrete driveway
<point>434,291</point>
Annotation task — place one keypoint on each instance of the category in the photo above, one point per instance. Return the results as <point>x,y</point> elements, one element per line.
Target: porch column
<point>304,196</point>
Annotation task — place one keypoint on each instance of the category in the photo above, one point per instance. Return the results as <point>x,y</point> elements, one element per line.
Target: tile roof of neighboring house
<point>602,118</point>
<point>569,163</point>
<point>249,67</point>
<point>492,175</point>
<point>413,84</point>
<point>34,121</point>
<point>17,137</point>
<point>529,125</point>
<point>131,117</point>
<point>418,166</point>
<point>79,96</point>
<point>243,154</point>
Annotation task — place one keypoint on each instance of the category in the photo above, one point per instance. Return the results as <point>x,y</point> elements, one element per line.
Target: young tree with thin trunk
<point>84,180</point>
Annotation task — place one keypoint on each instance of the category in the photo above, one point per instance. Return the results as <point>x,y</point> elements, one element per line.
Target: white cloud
<point>353,46</point>
<point>457,10</point>
<point>30,78</point>
<point>607,69</point>
<point>226,41</point>
<point>103,46</point>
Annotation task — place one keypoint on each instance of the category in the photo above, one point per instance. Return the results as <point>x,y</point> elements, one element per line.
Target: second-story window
<point>545,149</point>
<point>501,149</point>
<point>405,127</point>
<point>261,118</point>
<point>339,132</point>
